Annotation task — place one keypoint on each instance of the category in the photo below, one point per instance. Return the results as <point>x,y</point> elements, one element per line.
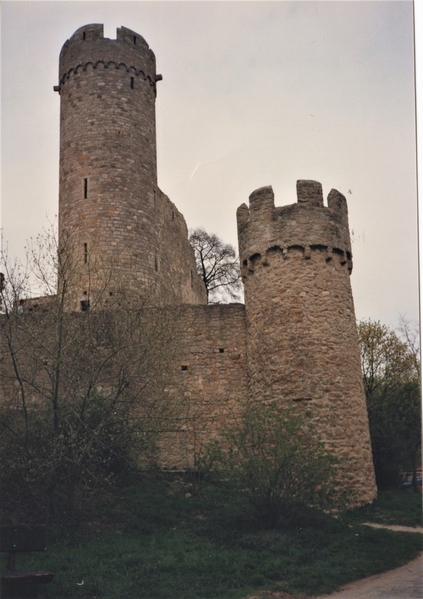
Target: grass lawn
<point>393,507</point>
<point>158,540</point>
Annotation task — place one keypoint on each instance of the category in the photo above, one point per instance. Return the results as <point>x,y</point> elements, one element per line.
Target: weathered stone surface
<point>109,202</point>
<point>302,343</point>
<point>208,377</point>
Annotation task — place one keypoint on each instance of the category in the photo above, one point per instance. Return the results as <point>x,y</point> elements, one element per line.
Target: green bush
<point>275,458</point>
<point>61,469</point>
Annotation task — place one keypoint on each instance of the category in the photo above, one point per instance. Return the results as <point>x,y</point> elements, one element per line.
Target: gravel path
<point>405,582</point>
<point>395,527</point>
<point>401,583</point>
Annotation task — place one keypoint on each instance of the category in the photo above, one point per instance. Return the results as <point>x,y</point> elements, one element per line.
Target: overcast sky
<point>253,94</point>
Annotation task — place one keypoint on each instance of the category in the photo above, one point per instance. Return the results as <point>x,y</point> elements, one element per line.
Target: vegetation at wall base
<point>390,363</point>
<point>83,393</point>
<point>396,506</point>
<point>276,460</point>
<point>157,539</point>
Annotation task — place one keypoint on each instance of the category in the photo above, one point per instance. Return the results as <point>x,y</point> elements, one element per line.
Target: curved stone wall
<point>110,208</point>
<point>301,330</point>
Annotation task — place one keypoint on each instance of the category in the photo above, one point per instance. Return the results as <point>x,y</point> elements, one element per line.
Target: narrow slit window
<point>132,82</point>
<point>85,253</point>
<point>84,35</point>
<point>85,188</point>
<point>134,39</point>
<point>156,263</point>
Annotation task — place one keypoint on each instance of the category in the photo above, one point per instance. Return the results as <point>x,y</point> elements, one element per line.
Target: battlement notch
<point>88,46</point>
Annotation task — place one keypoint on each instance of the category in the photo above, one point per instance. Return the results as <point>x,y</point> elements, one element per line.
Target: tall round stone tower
<point>301,331</point>
<point>110,209</point>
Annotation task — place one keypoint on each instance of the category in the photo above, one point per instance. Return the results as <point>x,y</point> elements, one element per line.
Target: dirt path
<point>405,582</point>
<point>396,527</point>
<point>401,583</point>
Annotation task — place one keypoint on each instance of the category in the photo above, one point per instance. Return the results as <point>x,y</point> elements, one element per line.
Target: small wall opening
<point>85,188</point>
<point>85,253</point>
<point>255,258</point>
<point>298,248</point>
<point>84,35</point>
<point>134,39</point>
<point>221,350</point>
<point>184,367</point>
<point>156,262</point>
<point>275,249</point>
<point>85,305</point>
<point>132,82</point>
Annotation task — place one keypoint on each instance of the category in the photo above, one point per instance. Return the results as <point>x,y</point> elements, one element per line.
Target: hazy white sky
<point>253,93</point>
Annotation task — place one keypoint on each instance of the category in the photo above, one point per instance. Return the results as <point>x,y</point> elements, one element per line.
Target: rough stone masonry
<point>294,341</point>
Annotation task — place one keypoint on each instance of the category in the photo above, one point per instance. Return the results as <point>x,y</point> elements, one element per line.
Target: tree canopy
<point>391,376</point>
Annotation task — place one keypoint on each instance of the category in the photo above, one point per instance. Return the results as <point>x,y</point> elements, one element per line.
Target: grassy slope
<point>156,542</point>
<point>393,507</point>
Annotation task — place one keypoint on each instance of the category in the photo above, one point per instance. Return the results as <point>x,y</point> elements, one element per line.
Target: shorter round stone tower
<point>302,344</point>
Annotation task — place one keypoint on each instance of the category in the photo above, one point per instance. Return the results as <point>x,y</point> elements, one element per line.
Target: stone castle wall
<point>190,365</point>
<point>207,378</point>
<point>175,266</point>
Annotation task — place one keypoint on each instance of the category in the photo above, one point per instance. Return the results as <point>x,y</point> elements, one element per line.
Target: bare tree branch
<point>218,266</point>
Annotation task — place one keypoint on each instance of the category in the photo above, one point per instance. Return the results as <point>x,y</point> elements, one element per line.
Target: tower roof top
<point>88,45</point>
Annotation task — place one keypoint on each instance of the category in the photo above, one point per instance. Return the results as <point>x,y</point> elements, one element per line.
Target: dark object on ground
<point>409,485</point>
<point>16,539</point>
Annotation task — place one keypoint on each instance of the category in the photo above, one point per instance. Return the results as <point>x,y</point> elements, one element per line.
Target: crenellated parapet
<point>129,51</point>
<point>306,226</point>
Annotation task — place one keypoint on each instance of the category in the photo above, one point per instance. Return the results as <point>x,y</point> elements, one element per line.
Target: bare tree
<point>83,392</point>
<point>409,332</point>
<point>218,266</point>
